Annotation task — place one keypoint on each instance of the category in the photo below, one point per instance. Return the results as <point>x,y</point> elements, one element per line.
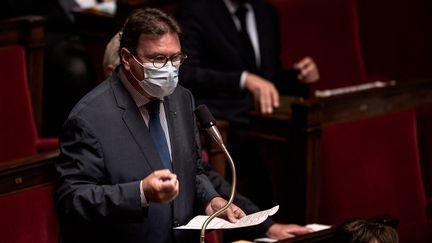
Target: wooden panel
<point>319,236</point>
<point>27,172</point>
<point>403,95</point>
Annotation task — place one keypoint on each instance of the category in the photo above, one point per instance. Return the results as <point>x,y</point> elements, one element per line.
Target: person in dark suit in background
<point>270,228</point>
<point>129,169</point>
<point>233,67</point>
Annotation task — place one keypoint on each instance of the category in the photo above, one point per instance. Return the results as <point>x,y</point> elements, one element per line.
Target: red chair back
<point>17,126</point>
<point>371,167</point>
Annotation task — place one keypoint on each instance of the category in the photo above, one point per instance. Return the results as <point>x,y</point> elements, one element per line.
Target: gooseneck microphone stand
<point>209,123</point>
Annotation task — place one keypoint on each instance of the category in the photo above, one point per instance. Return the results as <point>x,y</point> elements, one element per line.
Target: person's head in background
<point>365,231</point>
<point>111,57</point>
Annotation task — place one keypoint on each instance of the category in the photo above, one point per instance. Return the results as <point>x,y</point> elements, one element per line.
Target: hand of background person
<point>232,214</point>
<point>283,231</point>
<point>265,94</point>
<point>308,70</point>
<point>161,186</point>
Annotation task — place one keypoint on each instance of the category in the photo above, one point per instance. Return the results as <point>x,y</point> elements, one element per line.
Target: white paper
<point>218,223</point>
<point>265,239</point>
<point>314,227</point>
<point>352,89</point>
<point>86,3</point>
<point>318,227</point>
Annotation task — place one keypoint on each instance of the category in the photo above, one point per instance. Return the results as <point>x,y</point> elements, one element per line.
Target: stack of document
<point>218,223</point>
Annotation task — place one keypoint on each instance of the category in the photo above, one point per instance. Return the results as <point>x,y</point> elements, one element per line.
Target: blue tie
<point>157,133</point>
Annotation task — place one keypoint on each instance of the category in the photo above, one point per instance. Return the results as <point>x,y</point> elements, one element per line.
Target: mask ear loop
<point>142,65</point>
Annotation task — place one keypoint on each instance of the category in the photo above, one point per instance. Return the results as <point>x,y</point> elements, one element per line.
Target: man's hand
<point>161,186</point>
<point>232,214</point>
<point>283,231</point>
<point>264,92</point>
<point>308,70</point>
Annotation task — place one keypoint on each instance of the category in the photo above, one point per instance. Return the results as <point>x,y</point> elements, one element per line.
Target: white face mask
<point>158,82</point>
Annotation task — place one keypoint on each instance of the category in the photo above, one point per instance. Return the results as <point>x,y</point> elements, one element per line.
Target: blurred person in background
<point>234,67</point>
<point>68,70</point>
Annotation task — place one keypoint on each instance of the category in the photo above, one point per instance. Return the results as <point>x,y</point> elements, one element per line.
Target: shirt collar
<point>232,7</point>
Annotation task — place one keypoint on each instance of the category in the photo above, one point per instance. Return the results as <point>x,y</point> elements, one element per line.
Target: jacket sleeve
<point>82,190</point>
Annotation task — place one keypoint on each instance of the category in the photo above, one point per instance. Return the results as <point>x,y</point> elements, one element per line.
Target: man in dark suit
<point>129,169</point>
<point>270,228</point>
<point>219,71</point>
<point>233,66</point>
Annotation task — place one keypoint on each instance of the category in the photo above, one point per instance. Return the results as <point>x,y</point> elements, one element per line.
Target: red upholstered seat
<point>371,167</point>
<point>28,217</point>
<point>17,127</point>
<point>328,32</point>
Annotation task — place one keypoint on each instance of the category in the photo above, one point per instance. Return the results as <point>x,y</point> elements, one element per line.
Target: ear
<point>125,57</point>
<point>109,69</point>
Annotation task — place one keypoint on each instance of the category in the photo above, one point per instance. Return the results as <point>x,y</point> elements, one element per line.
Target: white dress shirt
<point>251,29</point>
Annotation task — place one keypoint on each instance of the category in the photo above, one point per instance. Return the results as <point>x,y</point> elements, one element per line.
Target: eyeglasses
<point>160,61</point>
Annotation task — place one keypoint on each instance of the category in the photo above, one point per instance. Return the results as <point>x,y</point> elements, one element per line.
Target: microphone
<point>207,121</point>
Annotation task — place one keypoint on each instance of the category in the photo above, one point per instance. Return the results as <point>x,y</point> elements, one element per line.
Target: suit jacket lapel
<point>136,125</point>
<point>225,23</point>
<point>171,110</point>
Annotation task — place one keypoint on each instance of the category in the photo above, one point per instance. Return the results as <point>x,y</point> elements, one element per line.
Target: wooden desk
<point>290,139</point>
<point>26,173</point>
<point>319,236</point>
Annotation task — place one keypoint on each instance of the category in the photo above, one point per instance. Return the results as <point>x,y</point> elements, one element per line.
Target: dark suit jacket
<point>106,150</point>
<point>216,56</point>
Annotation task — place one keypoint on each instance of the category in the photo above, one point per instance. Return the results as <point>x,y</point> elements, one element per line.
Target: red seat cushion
<point>28,217</point>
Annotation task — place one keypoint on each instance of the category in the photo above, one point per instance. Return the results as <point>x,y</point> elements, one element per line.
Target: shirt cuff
<point>144,202</point>
<point>243,79</point>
